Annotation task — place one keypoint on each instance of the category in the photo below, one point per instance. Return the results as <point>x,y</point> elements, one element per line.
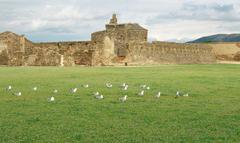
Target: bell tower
<point>113,21</point>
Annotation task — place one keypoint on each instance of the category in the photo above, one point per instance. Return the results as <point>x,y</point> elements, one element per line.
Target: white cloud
<point>76,20</point>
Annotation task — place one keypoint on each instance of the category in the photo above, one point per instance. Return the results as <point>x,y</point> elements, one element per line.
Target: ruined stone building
<point>118,44</point>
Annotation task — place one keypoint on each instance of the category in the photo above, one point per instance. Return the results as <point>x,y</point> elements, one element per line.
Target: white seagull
<point>124,84</point>
<point>125,87</point>
<point>109,85</point>
<point>18,94</point>
<point>34,88</point>
<point>143,86</point>
<point>141,93</point>
<point>96,94</point>
<point>86,86</point>
<point>158,95</point>
<point>177,94</point>
<point>51,99</point>
<point>123,99</point>
<point>74,90</point>
<point>9,87</point>
<point>99,97</point>
<point>185,95</point>
<point>55,91</point>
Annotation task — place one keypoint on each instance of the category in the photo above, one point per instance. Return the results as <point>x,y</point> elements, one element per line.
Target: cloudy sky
<point>166,20</point>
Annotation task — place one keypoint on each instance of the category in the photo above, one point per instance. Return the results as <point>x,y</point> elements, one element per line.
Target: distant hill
<point>218,38</point>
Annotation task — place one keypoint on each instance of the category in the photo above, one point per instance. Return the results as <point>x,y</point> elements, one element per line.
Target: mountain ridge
<point>218,38</point>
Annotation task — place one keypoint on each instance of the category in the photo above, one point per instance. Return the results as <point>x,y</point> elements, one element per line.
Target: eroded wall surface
<point>12,48</point>
<point>51,54</point>
<point>117,44</point>
<point>3,53</point>
<point>226,51</point>
<point>169,53</point>
<point>18,51</point>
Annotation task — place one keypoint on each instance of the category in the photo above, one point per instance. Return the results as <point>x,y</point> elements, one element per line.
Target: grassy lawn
<point>210,114</point>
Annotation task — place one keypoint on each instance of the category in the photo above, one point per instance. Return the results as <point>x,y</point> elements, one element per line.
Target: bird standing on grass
<point>9,88</point>
<point>18,94</point>
<point>109,85</point>
<point>177,94</point>
<point>74,90</point>
<point>185,95</point>
<point>35,88</point>
<point>51,99</point>
<point>158,95</point>
<point>141,93</point>
<point>123,99</point>
<point>143,86</point>
<point>86,86</point>
<point>125,87</point>
<point>55,91</point>
<point>99,97</point>
<point>96,93</point>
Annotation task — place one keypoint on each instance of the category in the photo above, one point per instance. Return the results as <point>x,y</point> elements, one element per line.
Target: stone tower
<point>120,35</point>
<point>113,21</point>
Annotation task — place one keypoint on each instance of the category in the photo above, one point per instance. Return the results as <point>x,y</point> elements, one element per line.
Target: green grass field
<point>210,114</point>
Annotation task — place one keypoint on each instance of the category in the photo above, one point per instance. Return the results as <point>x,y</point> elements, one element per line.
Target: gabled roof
<point>132,26</point>
<point>135,26</point>
<point>9,33</point>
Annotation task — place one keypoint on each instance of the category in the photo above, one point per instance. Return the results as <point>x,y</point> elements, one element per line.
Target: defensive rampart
<point>169,53</point>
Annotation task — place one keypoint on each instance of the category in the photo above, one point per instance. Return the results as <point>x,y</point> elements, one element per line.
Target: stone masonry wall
<point>117,44</point>
<point>169,53</point>
<point>12,49</point>
<point>3,53</point>
<point>16,50</point>
<point>49,54</point>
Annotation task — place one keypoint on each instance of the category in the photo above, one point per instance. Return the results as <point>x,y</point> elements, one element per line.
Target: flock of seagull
<point>97,95</point>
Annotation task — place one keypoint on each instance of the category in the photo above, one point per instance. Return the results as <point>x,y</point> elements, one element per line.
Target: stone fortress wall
<point>12,48</point>
<point>169,53</point>
<point>118,44</point>
<point>226,51</point>
<point>57,53</point>
<point>131,46</point>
